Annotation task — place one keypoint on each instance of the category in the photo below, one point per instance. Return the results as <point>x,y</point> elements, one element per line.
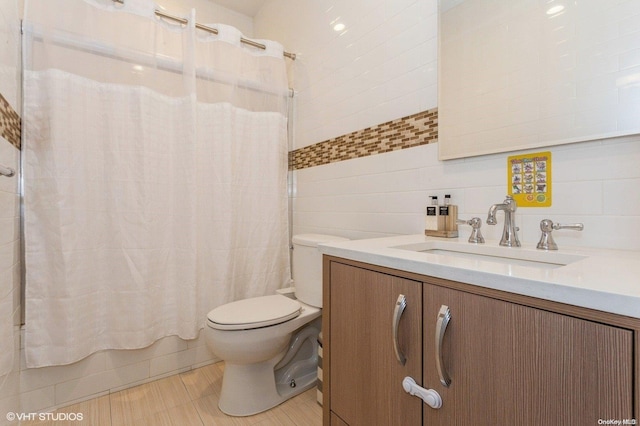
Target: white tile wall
<point>10,11</point>
<point>382,66</point>
<point>594,182</point>
<point>347,82</point>
<point>9,217</point>
<point>10,383</point>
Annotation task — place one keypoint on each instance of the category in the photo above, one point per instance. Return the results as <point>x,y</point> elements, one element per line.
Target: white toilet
<point>269,343</point>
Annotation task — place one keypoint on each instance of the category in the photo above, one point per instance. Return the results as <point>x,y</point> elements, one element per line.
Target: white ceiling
<point>246,7</point>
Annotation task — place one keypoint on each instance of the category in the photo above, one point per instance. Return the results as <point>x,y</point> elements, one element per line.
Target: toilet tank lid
<point>312,240</point>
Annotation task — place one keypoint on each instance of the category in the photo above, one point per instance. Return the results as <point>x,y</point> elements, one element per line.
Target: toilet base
<point>260,392</point>
<point>249,389</point>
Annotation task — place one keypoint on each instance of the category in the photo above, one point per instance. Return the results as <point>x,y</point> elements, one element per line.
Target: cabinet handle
<point>401,304</point>
<point>441,328</point>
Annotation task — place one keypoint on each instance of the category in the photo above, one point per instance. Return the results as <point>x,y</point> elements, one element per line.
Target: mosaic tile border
<point>10,127</point>
<point>407,132</point>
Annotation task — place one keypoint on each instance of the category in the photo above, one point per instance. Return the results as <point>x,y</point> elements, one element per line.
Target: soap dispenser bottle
<point>451,220</point>
<point>443,214</point>
<point>431,218</point>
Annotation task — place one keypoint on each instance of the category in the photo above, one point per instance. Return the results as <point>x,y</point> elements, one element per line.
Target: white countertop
<point>606,280</point>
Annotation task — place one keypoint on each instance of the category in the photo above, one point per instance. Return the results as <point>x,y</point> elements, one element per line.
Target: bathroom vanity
<point>487,338</point>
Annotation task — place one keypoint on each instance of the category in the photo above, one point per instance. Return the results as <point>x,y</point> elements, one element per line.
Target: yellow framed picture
<point>529,179</point>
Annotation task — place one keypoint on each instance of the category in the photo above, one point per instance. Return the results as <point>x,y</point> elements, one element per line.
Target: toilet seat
<point>253,313</point>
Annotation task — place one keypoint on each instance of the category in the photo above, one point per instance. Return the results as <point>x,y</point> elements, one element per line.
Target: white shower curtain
<point>155,163</point>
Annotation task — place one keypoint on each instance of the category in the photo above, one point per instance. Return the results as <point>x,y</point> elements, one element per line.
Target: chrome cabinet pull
<point>441,328</point>
<point>401,304</point>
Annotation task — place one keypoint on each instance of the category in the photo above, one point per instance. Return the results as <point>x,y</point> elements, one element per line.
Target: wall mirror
<point>522,74</point>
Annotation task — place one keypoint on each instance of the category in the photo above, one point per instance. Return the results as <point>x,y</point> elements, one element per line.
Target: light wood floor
<point>186,399</point>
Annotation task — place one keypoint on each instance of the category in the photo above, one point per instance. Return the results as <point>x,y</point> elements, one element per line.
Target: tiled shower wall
<point>381,68</point>
<point>9,207</point>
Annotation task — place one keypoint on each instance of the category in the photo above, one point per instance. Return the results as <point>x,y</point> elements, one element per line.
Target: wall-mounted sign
<point>529,179</point>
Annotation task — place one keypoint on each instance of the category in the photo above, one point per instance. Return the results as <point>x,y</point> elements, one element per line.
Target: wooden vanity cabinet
<point>364,374</point>
<point>512,359</point>
<point>515,365</point>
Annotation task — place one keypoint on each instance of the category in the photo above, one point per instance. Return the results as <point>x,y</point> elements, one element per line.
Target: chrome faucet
<point>546,240</point>
<point>476,235</point>
<point>510,231</point>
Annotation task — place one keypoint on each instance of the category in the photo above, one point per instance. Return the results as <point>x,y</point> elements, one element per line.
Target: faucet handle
<point>475,223</point>
<point>546,226</point>
<point>573,226</point>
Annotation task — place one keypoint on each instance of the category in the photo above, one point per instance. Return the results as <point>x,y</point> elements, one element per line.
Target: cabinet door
<point>366,377</point>
<point>514,365</point>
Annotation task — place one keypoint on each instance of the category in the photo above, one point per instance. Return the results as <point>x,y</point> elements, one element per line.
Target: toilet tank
<point>307,266</point>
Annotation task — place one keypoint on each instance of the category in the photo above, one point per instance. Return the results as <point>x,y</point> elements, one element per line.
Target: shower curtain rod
<point>185,21</point>
<point>161,62</point>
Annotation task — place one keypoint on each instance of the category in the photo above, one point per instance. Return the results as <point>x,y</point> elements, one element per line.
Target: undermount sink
<point>531,258</point>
